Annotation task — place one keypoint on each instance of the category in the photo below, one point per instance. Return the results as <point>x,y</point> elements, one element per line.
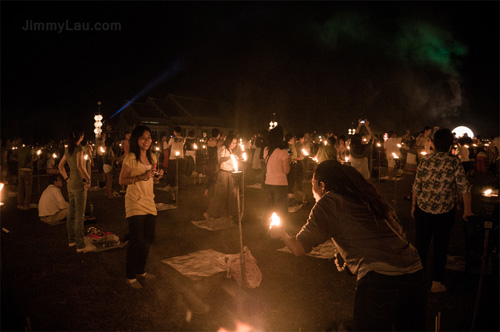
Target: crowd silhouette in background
<point>341,168</point>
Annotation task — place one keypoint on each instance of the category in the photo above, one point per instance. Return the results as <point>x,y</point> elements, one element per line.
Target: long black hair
<point>348,182</point>
<point>228,141</point>
<point>134,143</point>
<point>275,140</point>
<point>73,137</point>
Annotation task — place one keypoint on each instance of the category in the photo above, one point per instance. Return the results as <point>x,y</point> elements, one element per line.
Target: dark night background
<point>318,65</point>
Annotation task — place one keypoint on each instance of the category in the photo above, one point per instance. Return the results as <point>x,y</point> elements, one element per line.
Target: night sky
<point>318,66</point>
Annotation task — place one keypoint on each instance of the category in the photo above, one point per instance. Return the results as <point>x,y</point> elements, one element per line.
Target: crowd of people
<point>362,225</point>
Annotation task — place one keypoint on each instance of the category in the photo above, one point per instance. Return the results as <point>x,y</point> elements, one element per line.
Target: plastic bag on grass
<point>253,274</point>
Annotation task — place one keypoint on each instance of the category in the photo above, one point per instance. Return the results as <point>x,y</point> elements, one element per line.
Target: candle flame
<point>195,146</point>
<point>244,156</point>
<point>242,147</point>
<point>423,153</point>
<point>304,152</point>
<point>235,163</point>
<point>177,153</point>
<point>346,159</point>
<point>399,145</point>
<point>157,148</point>
<point>315,159</point>
<point>325,142</point>
<point>102,149</point>
<point>488,192</point>
<point>466,146</point>
<point>39,152</point>
<point>86,157</point>
<point>379,145</point>
<point>204,146</point>
<point>395,155</point>
<point>54,155</point>
<point>275,220</point>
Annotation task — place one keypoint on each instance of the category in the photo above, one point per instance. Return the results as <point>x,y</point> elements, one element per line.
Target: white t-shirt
<point>51,202</point>
<point>176,145</point>
<point>227,165</point>
<point>391,146</point>
<point>275,174</point>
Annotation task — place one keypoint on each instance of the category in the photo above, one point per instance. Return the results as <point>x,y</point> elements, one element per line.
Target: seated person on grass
<point>52,207</point>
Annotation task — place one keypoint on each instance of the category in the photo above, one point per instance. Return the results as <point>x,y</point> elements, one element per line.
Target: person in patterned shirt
<point>439,180</point>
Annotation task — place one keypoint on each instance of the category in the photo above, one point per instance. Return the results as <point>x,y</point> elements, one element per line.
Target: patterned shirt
<point>440,177</point>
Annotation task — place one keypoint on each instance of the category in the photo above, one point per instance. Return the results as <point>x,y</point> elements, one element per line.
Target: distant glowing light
<point>461,130</point>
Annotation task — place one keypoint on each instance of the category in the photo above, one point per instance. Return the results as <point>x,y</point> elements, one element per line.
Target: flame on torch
<point>1,187</point>
<point>275,220</point>
<point>235,163</point>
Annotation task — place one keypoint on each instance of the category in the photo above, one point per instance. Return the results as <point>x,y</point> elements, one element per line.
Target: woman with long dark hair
<point>221,203</point>
<point>78,184</point>
<point>278,166</point>
<point>390,289</point>
<point>139,174</point>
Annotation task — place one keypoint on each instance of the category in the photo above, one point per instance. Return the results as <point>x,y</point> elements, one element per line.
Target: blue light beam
<point>174,68</point>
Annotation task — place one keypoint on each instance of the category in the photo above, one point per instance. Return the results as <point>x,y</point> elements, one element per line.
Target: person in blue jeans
<point>390,290</point>
<point>78,184</point>
<point>139,175</point>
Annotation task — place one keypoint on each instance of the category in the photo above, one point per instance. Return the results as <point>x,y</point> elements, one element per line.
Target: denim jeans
<point>74,225</point>
<point>438,226</point>
<point>277,200</point>
<point>24,187</point>
<point>142,235</point>
<point>382,302</point>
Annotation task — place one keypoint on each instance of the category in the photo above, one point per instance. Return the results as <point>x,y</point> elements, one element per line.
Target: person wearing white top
<point>221,204</point>
<point>278,166</point>
<point>53,208</point>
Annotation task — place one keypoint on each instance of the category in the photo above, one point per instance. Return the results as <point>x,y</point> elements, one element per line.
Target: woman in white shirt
<point>138,173</point>
<point>278,166</point>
